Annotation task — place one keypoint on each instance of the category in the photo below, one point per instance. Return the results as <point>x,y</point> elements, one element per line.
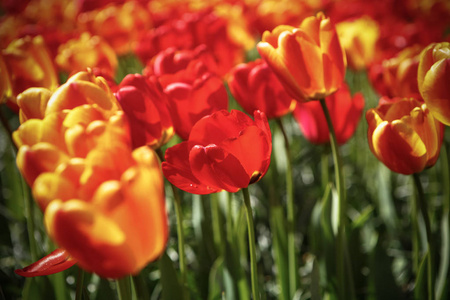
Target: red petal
<point>57,261</point>
<point>214,166</point>
<point>177,170</point>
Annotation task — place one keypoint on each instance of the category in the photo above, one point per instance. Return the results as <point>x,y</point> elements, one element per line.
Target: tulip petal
<point>178,171</point>
<point>94,240</point>
<point>214,166</point>
<point>55,262</point>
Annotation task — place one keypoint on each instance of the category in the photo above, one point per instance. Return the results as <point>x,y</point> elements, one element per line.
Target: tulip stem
<point>441,280</point>
<point>421,203</point>
<point>180,234</point>
<point>80,285</point>
<point>124,288</point>
<point>343,268</point>
<point>251,242</point>
<point>292,255</point>
<point>217,225</point>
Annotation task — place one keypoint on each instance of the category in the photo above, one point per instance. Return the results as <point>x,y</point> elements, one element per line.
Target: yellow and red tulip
<point>404,135</point>
<point>309,60</point>
<point>434,80</point>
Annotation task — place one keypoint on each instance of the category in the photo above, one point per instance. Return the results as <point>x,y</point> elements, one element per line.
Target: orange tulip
<point>404,135</point>
<point>75,151</point>
<point>359,37</point>
<point>397,76</point>
<point>120,25</point>
<point>87,51</point>
<point>309,61</point>
<point>434,80</point>
<point>29,65</point>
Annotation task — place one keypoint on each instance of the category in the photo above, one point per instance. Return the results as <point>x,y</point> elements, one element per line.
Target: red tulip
<point>225,151</point>
<point>255,87</point>
<point>345,113</point>
<point>145,105</point>
<point>196,93</point>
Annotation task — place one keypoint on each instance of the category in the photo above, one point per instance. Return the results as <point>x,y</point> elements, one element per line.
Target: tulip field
<point>226,149</point>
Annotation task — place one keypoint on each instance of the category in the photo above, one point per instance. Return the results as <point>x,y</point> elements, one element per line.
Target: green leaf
<point>420,289</point>
<point>171,287</point>
<point>315,282</point>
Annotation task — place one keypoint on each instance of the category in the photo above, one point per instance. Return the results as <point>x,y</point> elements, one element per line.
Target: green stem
<point>292,255</point>
<point>124,288</point>
<point>140,286</point>
<point>80,284</point>
<point>180,234</point>
<point>251,243</point>
<point>29,211</point>
<point>217,225</point>
<point>345,280</point>
<point>441,279</point>
<point>421,203</point>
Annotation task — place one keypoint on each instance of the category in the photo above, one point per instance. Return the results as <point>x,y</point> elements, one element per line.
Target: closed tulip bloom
<point>122,227</point>
<point>397,76</point>
<point>255,87</point>
<point>309,61</point>
<point>29,65</point>
<point>404,135</point>
<point>359,37</point>
<point>434,80</point>
<point>196,92</point>
<point>345,112</point>
<point>120,24</point>
<point>145,104</point>
<point>225,151</point>
<point>5,82</point>
<point>86,51</point>
<point>83,88</point>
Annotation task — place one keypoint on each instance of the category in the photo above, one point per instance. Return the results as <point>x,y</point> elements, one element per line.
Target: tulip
<point>397,76</point>
<point>225,151</point>
<point>404,135</point>
<point>145,104</point>
<point>122,227</point>
<point>255,87</point>
<point>309,60</point>
<point>166,64</point>
<point>433,78</point>
<point>84,52</point>
<point>195,93</point>
<point>359,37</point>
<point>28,64</point>
<point>345,112</point>
<point>119,25</point>
<point>5,82</point>
<point>93,191</point>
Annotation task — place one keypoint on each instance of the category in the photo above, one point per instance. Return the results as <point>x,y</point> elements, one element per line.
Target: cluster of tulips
<point>95,146</point>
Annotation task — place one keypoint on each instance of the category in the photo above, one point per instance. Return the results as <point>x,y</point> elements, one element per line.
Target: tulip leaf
<point>315,281</point>
<point>381,273</point>
<point>420,289</point>
<point>171,287</point>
